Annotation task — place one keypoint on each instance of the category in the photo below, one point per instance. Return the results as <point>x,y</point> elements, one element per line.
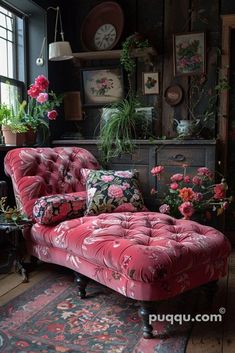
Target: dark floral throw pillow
<point>57,208</point>
<point>112,191</point>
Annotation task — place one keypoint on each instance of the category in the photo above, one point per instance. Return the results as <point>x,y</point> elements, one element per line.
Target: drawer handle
<point>178,158</point>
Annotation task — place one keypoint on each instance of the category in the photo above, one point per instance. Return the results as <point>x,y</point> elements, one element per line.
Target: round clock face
<point>105,36</point>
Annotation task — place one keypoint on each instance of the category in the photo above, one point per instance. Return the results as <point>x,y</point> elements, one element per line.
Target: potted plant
<point>118,131</point>
<point>31,114</point>
<point>12,127</point>
<point>120,128</point>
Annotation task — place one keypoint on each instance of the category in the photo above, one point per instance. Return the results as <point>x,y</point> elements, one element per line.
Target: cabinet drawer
<point>194,156</point>
<point>140,156</point>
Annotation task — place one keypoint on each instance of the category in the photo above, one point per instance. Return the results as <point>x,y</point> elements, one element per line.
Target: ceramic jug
<point>184,127</point>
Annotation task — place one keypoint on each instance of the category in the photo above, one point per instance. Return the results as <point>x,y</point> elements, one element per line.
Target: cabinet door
<point>174,157</point>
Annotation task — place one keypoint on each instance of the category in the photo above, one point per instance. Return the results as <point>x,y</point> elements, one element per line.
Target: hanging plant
<point>134,41</point>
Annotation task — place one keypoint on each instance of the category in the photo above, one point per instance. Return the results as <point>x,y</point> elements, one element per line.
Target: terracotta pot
<point>12,138</point>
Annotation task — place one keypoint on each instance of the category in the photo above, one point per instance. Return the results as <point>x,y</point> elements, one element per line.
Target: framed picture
<point>189,53</point>
<point>150,83</point>
<point>101,86</point>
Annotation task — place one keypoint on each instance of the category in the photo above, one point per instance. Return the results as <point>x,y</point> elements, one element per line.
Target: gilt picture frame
<point>150,82</point>
<point>189,53</point>
<point>101,86</point>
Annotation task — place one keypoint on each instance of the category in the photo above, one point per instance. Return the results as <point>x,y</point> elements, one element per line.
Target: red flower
<point>187,194</point>
<point>205,172</point>
<point>157,170</point>
<point>186,209</point>
<point>177,177</point>
<point>52,115</point>
<point>219,191</point>
<point>187,179</point>
<point>197,180</point>
<point>174,186</point>
<point>34,91</point>
<point>42,82</point>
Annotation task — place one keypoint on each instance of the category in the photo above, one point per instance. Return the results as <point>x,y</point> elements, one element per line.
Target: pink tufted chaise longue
<point>146,256</point>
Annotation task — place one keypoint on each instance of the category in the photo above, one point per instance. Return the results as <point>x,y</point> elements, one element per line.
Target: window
<point>12,58</point>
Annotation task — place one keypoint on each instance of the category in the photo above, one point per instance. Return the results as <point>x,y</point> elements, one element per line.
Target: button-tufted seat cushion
<point>143,255</point>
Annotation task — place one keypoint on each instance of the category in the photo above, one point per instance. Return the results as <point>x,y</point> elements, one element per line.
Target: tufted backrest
<point>37,172</point>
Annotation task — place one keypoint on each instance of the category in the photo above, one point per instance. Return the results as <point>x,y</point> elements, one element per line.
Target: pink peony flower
<point>52,115</point>
<point>115,191</point>
<point>204,171</point>
<point>157,170</point>
<point>42,98</point>
<point>187,179</point>
<point>174,186</point>
<point>34,91</point>
<point>42,82</point>
<point>219,191</point>
<point>197,180</point>
<point>177,177</point>
<point>164,208</point>
<point>186,209</point>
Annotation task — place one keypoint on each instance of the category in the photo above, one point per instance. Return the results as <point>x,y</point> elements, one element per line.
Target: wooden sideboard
<point>169,153</point>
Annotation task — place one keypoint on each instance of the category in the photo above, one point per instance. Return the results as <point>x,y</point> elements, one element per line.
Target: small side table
<point>12,231</point>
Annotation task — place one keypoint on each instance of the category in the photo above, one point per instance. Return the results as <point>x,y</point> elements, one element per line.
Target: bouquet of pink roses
<point>188,196</point>
<point>40,104</point>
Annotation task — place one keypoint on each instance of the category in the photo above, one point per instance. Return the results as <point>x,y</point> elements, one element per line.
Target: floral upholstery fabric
<point>37,172</point>
<point>142,255</point>
<point>57,208</point>
<point>112,191</point>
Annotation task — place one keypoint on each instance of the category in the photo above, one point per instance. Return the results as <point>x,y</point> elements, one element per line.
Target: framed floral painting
<point>189,53</point>
<point>150,83</point>
<point>101,86</point>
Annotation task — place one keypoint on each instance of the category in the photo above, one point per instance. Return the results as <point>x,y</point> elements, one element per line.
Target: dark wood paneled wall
<point>159,20</point>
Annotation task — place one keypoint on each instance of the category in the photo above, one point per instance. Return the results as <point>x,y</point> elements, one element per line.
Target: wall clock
<point>102,27</point>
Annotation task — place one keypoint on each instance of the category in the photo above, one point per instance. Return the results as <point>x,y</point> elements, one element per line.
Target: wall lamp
<point>59,50</point>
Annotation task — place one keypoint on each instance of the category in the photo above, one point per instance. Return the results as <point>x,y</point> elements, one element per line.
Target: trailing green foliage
<point>127,61</point>
<point>117,134</point>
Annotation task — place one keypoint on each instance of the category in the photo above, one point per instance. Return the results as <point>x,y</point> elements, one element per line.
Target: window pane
<point>3,32</point>
<point>10,95</point>
<point>3,58</point>
<point>7,47</point>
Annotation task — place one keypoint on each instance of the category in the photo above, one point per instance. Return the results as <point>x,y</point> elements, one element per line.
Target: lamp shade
<point>60,51</point>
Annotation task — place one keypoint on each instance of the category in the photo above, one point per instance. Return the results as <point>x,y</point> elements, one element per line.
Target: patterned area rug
<point>51,318</point>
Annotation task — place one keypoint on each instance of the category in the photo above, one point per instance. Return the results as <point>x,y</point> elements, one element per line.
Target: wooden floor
<point>206,337</point>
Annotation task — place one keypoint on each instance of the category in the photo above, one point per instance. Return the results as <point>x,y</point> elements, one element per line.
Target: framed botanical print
<point>101,86</point>
<point>189,53</point>
<point>150,83</point>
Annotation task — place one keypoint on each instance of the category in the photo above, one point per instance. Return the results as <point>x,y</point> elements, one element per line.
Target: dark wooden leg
<point>82,282</point>
<point>145,310</point>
